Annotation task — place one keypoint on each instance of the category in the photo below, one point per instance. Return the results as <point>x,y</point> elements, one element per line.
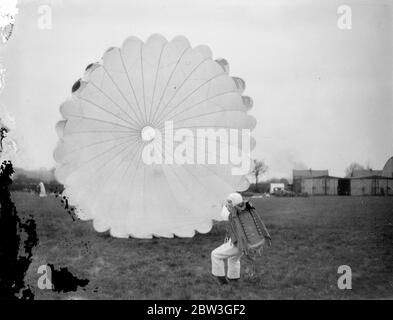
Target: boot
<point>221,280</point>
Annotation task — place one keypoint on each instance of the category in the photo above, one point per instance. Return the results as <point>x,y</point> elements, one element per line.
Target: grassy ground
<point>312,237</point>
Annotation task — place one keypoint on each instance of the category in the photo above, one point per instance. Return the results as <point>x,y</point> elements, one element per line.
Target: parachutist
<point>247,235</point>
<point>227,251</point>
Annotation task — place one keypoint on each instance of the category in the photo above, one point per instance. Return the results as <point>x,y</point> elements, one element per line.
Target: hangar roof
<point>388,168</point>
<point>324,176</point>
<point>309,173</point>
<point>365,173</point>
<point>372,177</point>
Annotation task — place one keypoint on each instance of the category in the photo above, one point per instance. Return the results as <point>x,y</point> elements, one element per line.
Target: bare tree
<point>260,167</point>
<point>352,167</point>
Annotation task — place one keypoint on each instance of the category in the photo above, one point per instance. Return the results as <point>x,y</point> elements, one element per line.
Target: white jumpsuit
<point>226,251</point>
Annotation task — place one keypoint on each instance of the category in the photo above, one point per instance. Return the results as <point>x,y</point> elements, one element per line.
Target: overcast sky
<point>322,96</point>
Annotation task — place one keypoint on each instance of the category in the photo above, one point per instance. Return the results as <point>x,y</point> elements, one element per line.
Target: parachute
<point>154,136</point>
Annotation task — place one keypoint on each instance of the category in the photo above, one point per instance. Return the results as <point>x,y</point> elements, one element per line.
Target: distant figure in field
<point>42,189</point>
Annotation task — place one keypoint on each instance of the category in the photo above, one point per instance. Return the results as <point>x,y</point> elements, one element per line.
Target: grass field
<point>312,237</point>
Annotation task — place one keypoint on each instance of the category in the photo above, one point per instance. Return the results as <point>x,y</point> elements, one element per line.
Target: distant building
<point>299,175</point>
<point>360,182</point>
<point>373,182</point>
<point>276,187</point>
<point>323,185</point>
<point>372,186</point>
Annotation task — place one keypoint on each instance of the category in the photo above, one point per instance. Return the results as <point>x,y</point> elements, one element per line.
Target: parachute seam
<point>169,79</point>
<point>123,176</point>
<point>180,180</point>
<point>155,82</point>
<point>102,108</point>
<point>207,168</point>
<point>107,162</point>
<point>110,99</point>
<point>136,169</point>
<point>132,88</point>
<point>101,175</point>
<point>198,103</point>
<point>97,156</point>
<point>97,143</point>
<point>121,93</point>
<point>191,94</point>
<point>143,83</point>
<point>208,139</point>
<point>106,180</point>
<point>206,114</point>
<point>98,120</point>
<point>181,85</point>
<point>95,131</point>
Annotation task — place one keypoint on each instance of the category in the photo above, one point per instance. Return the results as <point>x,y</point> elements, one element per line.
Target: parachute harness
<point>248,232</point>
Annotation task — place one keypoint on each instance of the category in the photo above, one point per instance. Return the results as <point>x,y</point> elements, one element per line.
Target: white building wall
<point>276,186</point>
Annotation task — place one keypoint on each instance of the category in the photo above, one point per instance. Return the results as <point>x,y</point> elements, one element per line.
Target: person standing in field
<point>227,251</point>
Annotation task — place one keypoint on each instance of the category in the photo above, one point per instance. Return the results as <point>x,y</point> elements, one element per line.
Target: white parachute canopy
<point>154,137</point>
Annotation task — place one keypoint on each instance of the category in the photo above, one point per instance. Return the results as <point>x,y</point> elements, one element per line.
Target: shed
<point>371,185</point>
<point>299,175</point>
<point>322,185</point>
